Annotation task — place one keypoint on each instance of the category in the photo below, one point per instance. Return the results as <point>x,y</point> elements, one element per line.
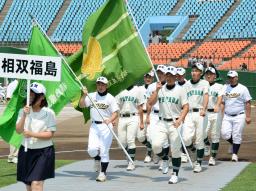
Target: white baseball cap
<point>38,88</point>
<point>210,69</point>
<point>232,74</point>
<point>181,71</point>
<point>151,73</point>
<point>161,68</point>
<point>199,66</point>
<point>172,70</point>
<point>102,79</point>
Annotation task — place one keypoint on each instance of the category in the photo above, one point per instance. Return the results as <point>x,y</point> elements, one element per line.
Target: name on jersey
<point>101,105</point>
<point>232,95</point>
<point>214,94</point>
<point>194,92</point>
<point>168,99</point>
<point>129,98</point>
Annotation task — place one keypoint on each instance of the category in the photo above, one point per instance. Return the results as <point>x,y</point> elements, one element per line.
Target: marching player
<point>100,137</point>
<point>173,105</point>
<point>237,112</point>
<point>197,93</point>
<point>143,135</point>
<point>130,102</point>
<point>214,115</point>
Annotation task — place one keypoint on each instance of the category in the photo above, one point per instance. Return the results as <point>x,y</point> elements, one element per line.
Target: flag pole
<point>29,121</point>
<point>157,78</point>
<point>82,87</point>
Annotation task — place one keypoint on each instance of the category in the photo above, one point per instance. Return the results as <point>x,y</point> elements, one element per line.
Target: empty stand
<point>2,2</point>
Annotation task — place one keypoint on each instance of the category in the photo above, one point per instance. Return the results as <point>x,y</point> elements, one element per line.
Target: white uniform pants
<point>233,126</point>
<point>194,126</point>
<point>127,130</point>
<point>100,139</point>
<point>213,127</point>
<point>165,132</point>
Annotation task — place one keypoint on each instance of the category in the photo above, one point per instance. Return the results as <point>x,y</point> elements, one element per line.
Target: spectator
<point>243,67</point>
<point>157,38</point>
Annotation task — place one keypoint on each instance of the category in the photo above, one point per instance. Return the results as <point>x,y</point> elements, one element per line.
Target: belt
<point>233,115</point>
<point>97,122</point>
<point>195,109</point>
<point>210,110</point>
<point>144,111</point>
<point>128,114</point>
<point>156,111</point>
<point>168,120</point>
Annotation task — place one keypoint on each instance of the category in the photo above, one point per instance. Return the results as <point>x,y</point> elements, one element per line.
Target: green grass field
<point>246,181</point>
<point>8,171</point>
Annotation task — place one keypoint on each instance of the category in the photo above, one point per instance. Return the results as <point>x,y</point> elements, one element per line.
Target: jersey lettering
<point>214,94</point>
<point>195,92</point>
<point>101,106</point>
<point>168,99</point>
<point>232,95</point>
<point>129,98</point>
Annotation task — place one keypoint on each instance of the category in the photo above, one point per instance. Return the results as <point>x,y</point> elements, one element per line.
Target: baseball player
<point>100,137</point>
<point>130,102</point>
<point>144,134</point>
<point>181,81</point>
<point>153,110</point>
<point>173,105</point>
<point>214,115</point>
<point>197,93</point>
<point>237,112</point>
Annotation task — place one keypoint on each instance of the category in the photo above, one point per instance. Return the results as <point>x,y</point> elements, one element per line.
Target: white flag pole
<point>82,87</point>
<point>27,117</point>
<point>181,139</point>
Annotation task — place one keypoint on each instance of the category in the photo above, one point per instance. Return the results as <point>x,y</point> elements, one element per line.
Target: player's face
<point>210,77</point>
<point>170,79</point>
<point>233,81</point>
<point>196,74</point>
<point>148,79</point>
<point>101,87</point>
<point>180,78</point>
<point>161,75</point>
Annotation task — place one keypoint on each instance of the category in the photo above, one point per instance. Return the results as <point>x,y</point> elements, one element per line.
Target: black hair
<point>44,102</point>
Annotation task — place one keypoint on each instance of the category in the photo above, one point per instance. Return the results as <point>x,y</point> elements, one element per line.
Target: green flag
<point>111,48</point>
<point>58,94</point>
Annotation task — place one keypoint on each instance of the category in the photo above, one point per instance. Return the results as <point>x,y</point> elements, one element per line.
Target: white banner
<point>30,67</point>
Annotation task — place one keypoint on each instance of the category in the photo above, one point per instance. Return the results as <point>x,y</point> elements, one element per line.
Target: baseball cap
<point>232,74</point>
<point>181,71</point>
<point>161,68</point>
<point>172,70</point>
<point>210,69</point>
<point>199,66</point>
<point>38,88</point>
<point>151,73</point>
<point>102,79</point>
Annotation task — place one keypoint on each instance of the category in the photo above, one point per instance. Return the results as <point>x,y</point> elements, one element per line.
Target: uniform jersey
<point>129,100</point>
<point>235,98</point>
<point>195,93</point>
<point>106,105</point>
<point>215,91</point>
<point>149,92</point>
<point>143,91</point>
<point>171,101</point>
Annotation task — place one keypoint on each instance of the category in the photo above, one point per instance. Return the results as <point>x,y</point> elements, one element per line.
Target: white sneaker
<point>234,158</point>
<point>130,167</point>
<point>212,161</point>
<point>174,179</point>
<point>165,167</point>
<point>102,177</point>
<point>156,159</point>
<point>207,151</point>
<point>97,165</point>
<point>230,149</point>
<point>147,159</point>
<point>184,158</point>
<point>160,165</point>
<point>197,168</point>
<point>15,160</point>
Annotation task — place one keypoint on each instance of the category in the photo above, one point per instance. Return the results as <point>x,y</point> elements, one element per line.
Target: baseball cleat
<point>174,179</point>
<point>102,177</point>
<point>234,158</point>
<point>130,167</point>
<point>147,159</point>
<point>165,167</point>
<point>207,150</point>
<point>212,161</point>
<point>197,168</point>
<point>97,166</point>
<point>184,158</point>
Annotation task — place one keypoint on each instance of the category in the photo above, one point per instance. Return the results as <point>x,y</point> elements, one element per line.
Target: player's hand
<point>85,91</point>
<point>26,110</point>
<point>158,86</point>
<point>248,120</point>
<point>216,109</point>
<point>27,134</point>
<point>107,121</point>
<point>177,123</point>
<point>202,112</point>
<point>141,126</point>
